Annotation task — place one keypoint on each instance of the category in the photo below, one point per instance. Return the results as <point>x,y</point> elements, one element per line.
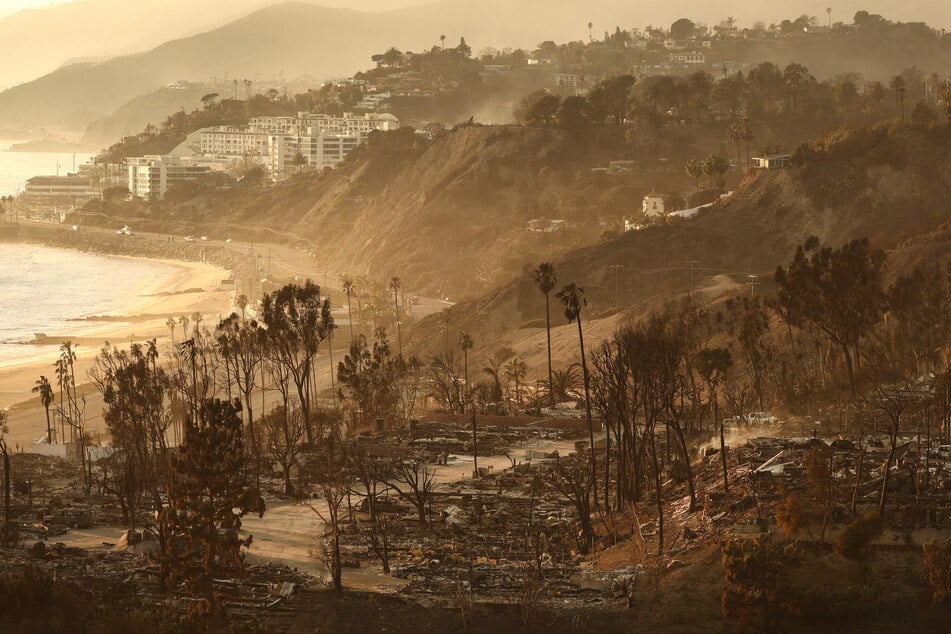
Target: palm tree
<point>746,135</point>
<point>735,135</point>
<point>45,390</point>
<point>395,283</point>
<point>347,283</point>
<point>897,84</point>
<point>515,370</point>
<point>183,320</point>
<point>170,324</point>
<point>242,302</point>
<point>566,383</point>
<point>694,169</point>
<point>573,299</point>
<point>151,353</point>
<point>465,342</point>
<point>546,280</point>
<point>197,318</point>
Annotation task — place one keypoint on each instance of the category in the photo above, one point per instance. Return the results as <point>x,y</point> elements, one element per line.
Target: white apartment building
<point>323,140</point>
<point>72,186</point>
<point>348,124</point>
<point>318,150</point>
<point>231,141</point>
<point>274,125</point>
<point>152,176</point>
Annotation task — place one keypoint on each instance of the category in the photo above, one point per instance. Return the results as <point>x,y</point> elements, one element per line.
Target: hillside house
<point>653,204</point>
<point>688,57</point>
<point>771,161</point>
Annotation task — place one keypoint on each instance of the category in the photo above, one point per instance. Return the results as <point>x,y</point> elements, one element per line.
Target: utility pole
<point>445,313</point>
<point>753,283</point>
<point>617,268</point>
<point>482,315</point>
<point>692,264</point>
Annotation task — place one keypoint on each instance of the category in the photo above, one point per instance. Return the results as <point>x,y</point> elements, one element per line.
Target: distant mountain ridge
<point>300,38</point>
<point>37,41</point>
<point>289,39</point>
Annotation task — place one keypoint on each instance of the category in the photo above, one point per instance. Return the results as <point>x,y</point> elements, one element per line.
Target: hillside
<point>401,205</point>
<point>150,108</point>
<point>35,42</point>
<point>290,40</point>
<point>889,183</point>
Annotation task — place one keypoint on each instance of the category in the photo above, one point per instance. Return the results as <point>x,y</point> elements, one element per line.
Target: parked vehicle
<point>124,231</point>
<point>761,418</point>
<point>71,517</point>
<point>189,238</point>
<point>942,452</point>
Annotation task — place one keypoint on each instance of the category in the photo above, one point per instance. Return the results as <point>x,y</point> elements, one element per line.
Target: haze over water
<point>17,167</point>
<point>43,289</point>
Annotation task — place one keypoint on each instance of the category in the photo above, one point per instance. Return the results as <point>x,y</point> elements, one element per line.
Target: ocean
<point>45,290</point>
<point>17,167</point>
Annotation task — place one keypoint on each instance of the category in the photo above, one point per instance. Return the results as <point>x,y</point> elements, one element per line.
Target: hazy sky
<point>9,6</point>
<point>936,12</point>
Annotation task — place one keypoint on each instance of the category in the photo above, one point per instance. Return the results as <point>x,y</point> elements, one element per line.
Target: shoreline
<point>139,319</point>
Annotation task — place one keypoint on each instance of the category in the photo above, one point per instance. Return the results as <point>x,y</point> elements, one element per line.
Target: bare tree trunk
<point>660,497</point>
<point>551,392</point>
<point>726,481</point>
<point>587,408</point>
<point>685,454</point>
<point>888,465</point>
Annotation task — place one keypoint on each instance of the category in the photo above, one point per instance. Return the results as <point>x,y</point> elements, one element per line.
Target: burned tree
<point>574,479</point>
<point>837,292</point>
<point>414,480</point>
<point>284,432</point>
<point>239,344</point>
<point>208,493</point>
<point>7,533</point>
<point>369,472</point>
<point>334,484</point>
<point>445,380</point>
<point>297,321</point>
<point>884,408</point>
<point>714,364</point>
<point>573,299</point>
<point>134,393</point>
<point>373,377</point>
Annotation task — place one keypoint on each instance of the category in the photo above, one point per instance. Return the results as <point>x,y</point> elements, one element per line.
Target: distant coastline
<point>49,146</point>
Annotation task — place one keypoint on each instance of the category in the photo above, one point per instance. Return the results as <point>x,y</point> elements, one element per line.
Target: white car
<point>943,452</point>
<point>189,238</point>
<point>124,231</point>
<point>204,238</point>
<point>761,418</point>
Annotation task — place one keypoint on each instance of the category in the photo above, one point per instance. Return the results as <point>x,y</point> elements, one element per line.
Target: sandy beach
<point>190,287</point>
